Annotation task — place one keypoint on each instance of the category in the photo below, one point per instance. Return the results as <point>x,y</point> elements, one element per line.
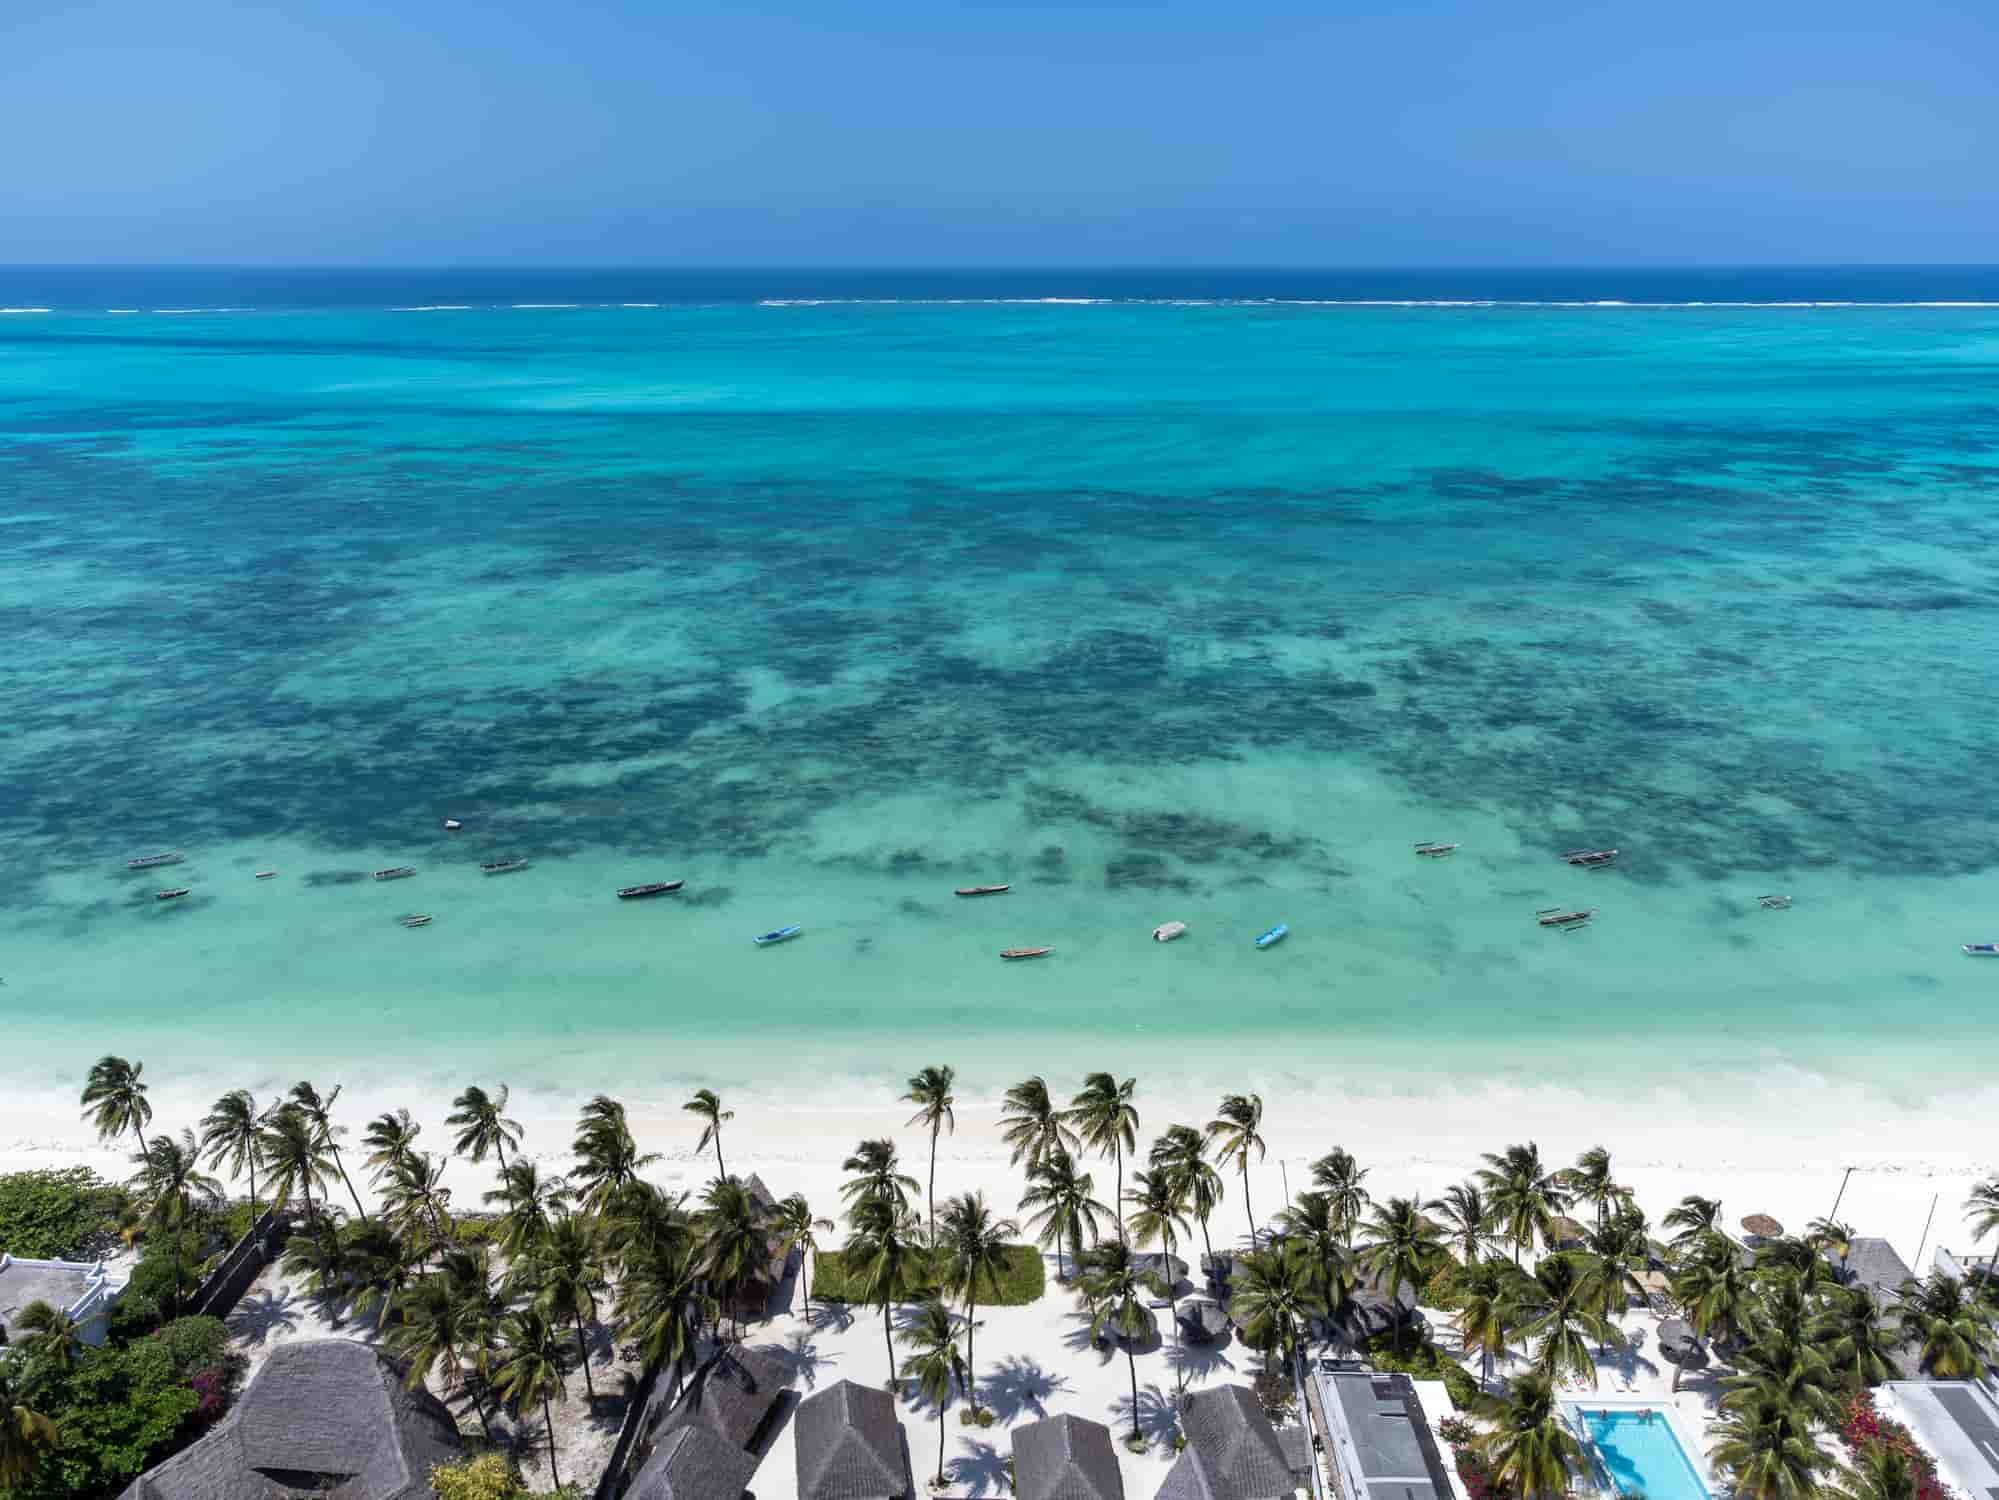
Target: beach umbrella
<point>1762,1226</point>
<point>1680,1344</point>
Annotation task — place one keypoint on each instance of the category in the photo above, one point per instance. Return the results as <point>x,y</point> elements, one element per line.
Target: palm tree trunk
<point>721,1167</point>
<point>583,1353</point>
<point>1208,1243</point>
<point>253,1196</point>
<point>1245,1204</point>
<point>1173,1308</point>
<point>176,1235</point>
<point>971,1369</point>
<point>548,1421</point>
<point>340,1167</point>
<point>1117,1155</point>
<point>940,1443</point>
<point>888,1343</point>
<point>1131,1360</point>
<point>932,1190</point>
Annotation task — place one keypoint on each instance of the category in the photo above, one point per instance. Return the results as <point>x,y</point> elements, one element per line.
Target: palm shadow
<point>981,1469</point>
<point>800,1356</point>
<point>837,1316</point>
<point>1017,1386</point>
<point>1195,1363</point>
<point>258,1317</point>
<point>1158,1415</point>
<point>1078,1338</point>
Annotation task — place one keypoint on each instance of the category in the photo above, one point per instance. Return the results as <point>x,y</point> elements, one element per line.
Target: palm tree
<point>1531,1451</point>
<point>1558,1305</point>
<point>1879,1472</point>
<point>470,1281</point>
<point>930,1092</point>
<point>566,1272</point>
<point>663,1303</point>
<point>1401,1249</point>
<point>1272,1298</point>
<point>1590,1181</point>
<point>1059,1206</point>
<point>25,1434</point>
<point>414,1201</point>
<point>296,1158</point>
<point>1770,1453</point>
<point>482,1125</point>
<point>390,1139</point>
<point>974,1249</point>
<point>877,1176</point>
<point>52,1333</point>
<point>1848,1328</point>
<point>883,1257</point>
<point>736,1241</point>
<point>1981,1212</point>
<point>114,1100</point>
<point>1946,1327</point>
<point>1104,1119</point>
<point>431,1332</point>
<point>320,1112</point>
<point>1159,1212</point>
<point>1234,1134</point>
<point>1032,1125</point>
<point>1525,1196</point>
<point>233,1132</point>
<point>797,1231</point>
<point>1779,1367</point>
<point>1693,1217</point>
<point>1620,1251</point>
<point>533,1203</point>
<point>1339,1177</point>
<point>1715,1291</point>
<point>934,1365</point>
<point>1467,1218</point>
<point>532,1370</point>
<point>1183,1153</point>
<point>708,1104</point>
<point>1487,1299</point>
<point>608,1159</point>
<point>1110,1288</point>
<point>172,1188</point>
<point>1311,1229</point>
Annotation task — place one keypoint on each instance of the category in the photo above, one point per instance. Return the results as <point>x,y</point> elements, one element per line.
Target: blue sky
<point>877,132</point>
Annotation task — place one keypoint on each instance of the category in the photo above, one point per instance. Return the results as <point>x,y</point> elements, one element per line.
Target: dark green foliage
<point>1463,1389</point>
<point>47,1215</point>
<point>1422,1361</point>
<point>1023,1281</point>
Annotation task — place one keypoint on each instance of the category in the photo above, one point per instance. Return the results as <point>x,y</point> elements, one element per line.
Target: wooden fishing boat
<point>1774,903</point>
<point>416,919</point>
<point>1592,859</point>
<point>452,825</point>
<point>1431,849</point>
<point>982,890</point>
<point>1554,916</point>
<point>1025,952</point>
<point>504,866</point>
<point>266,874</point>
<point>1275,936</point>
<point>397,872</point>
<point>154,861</point>
<point>650,888</point>
<point>777,935</point>
<point>1165,932</point>
<point>173,895</point>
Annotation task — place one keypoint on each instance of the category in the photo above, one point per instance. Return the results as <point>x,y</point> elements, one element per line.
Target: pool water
<point>1642,1456</point>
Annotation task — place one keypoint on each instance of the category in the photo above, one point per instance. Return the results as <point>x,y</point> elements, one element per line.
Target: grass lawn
<point>1022,1281</point>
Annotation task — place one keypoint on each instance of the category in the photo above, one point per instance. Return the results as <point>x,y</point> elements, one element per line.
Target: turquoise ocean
<point>1197,597</point>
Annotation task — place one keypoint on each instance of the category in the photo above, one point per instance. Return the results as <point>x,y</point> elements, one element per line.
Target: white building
<point>1956,1421</point>
<point>83,1289</point>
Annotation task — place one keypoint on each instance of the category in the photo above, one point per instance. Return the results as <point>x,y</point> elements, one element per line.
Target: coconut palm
<point>376,1268</point>
<point>1340,1178</point>
<point>1558,1305</point>
<point>1691,1218</point>
<point>1272,1299</point>
<point>1466,1218</point>
<point>1848,1328</point>
<point>319,1111</point>
<point>114,1100</point>
<point>1879,1472</point>
<point>1525,1196</point>
<point>1183,1153</point>
<point>1620,1251</point>
<point>1158,1202</point>
<point>1032,1124</point>
<point>1715,1291</point>
<point>390,1138</point>
<point>1059,1206</point>
<point>415,1203</point>
<point>973,1254</point>
<point>877,1175</point>
<point>1487,1301</point>
<point>232,1133</point>
<point>533,1203</point>
<point>1769,1451</point>
<point>1531,1450</point>
<point>663,1303</point>
<point>1312,1230</point>
<point>296,1158</point>
<point>1104,1119</point>
<point>930,1092</point>
<point>1401,1249</point>
<point>565,1272</point>
<point>608,1159</point>
<point>532,1365</point>
<point>883,1258</point>
<point>475,1288</point>
<point>1778,1365</point>
<point>52,1333</point>
<point>432,1333</point>
<point>1590,1181</point>
<point>1981,1212</point>
<point>933,1363</point>
<point>172,1188</point>
<point>1111,1290</point>
<point>482,1125</point>
<point>1233,1134</point>
<point>1939,1318</point>
<point>735,1240</point>
<point>797,1232</point>
<point>26,1435</point>
<point>708,1104</point>
<point>647,1223</point>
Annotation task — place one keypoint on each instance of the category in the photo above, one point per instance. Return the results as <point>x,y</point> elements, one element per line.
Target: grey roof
<point>691,1463</point>
<point>1065,1458</point>
<point>61,1284</point>
<point>1296,1444</point>
<point>326,1417</point>
<point>754,1186</point>
<point>731,1396</point>
<point>850,1446</point>
<point>1377,1427</point>
<point>1957,1422</point>
<point>1190,1478</point>
<point>1872,1263</point>
<point>1241,1458</point>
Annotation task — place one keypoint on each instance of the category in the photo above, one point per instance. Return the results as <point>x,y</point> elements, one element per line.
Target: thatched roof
<point>1872,1263</point>
<point>1762,1226</point>
<point>1240,1457</point>
<point>1204,1321</point>
<point>850,1446</point>
<point>691,1463</point>
<point>731,1396</point>
<point>325,1417</point>
<point>1065,1458</point>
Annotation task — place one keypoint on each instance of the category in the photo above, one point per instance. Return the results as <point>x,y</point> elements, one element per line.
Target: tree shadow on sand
<point>836,1316</point>
<point>980,1470</point>
<point>1158,1416</point>
<point>1196,1363</point>
<point>1015,1387</point>
<point>257,1318</point>
<point>800,1356</point>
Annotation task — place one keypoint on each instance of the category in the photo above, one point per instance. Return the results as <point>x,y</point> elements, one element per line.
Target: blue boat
<point>1275,936</point>
<point>1982,950</point>
<point>779,935</point>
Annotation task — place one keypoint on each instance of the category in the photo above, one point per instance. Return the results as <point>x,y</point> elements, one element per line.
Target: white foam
<point>638,304</point>
<point>542,306</point>
<point>121,309</point>
<point>23,309</point>
<point>185,312</point>
<point>434,307</point>
<point>1605,304</point>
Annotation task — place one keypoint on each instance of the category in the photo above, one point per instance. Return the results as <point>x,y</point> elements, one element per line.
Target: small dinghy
<point>1275,936</point>
<point>982,890</point>
<point>452,825</point>
<point>1025,952</point>
<point>1569,921</point>
<point>173,895</point>
<point>1431,849</point>
<point>266,874</point>
<point>504,866</point>
<point>651,888</point>
<point>1165,932</point>
<point>399,872</point>
<point>777,935</point>
<point>1982,950</point>
<point>154,861</point>
<point>1590,859</point>
<point>416,919</point>
<point>1774,903</point>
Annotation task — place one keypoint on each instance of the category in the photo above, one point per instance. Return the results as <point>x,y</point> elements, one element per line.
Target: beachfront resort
<point>281,1302</point>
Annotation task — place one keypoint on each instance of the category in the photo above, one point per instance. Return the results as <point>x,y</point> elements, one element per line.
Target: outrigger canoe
<point>1554,916</point>
<point>982,890</point>
<point>651,888</point>
<point>173,895</point>
<point>1025,952</point>
<point>1275,936</point>
<point>504,866</point>
<point>1982,950</point>
<point>777,935</point>
<point>1593,859</point>
<point>1431,849</point>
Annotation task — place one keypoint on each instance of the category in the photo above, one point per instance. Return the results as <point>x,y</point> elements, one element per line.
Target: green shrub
<point>1024,1280</point>
<point>1462,1387</point>
<point>1417,1358</point>
<point>48,1214</point>
<point>1442,1290</point>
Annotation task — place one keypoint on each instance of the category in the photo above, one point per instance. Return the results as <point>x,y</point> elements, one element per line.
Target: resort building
<point>1233,1453</point>
<point>732,1397</point>
<point>85,1290</point>
<point>1378,1441</point>
<point>1956,1421</point>
<point>850,1446</point>
<point>1871,1262</point>
<point>691,1463</point>
<point>322,1417</point>
<point>1065,1458</point>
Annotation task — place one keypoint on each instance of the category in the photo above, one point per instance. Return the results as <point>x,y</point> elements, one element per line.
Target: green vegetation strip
<point>1023,1281</point>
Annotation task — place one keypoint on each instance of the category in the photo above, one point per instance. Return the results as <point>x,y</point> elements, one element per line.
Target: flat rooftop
<point>1958,1422</point>
<point>1380,1436</point>
<point>55,1283</point>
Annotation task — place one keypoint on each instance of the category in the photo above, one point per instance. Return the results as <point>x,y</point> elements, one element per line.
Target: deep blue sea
<point>1194,596</point>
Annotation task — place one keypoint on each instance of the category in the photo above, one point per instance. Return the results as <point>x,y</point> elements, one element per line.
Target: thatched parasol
<point>1566,1232</point>
<point>1156,1265</point>
<point>1680,1344</point>
<point>1203,1322</point>
<point>1763,1226</point>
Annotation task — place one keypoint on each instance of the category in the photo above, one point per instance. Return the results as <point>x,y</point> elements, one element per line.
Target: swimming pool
<point>1641,1455</point>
